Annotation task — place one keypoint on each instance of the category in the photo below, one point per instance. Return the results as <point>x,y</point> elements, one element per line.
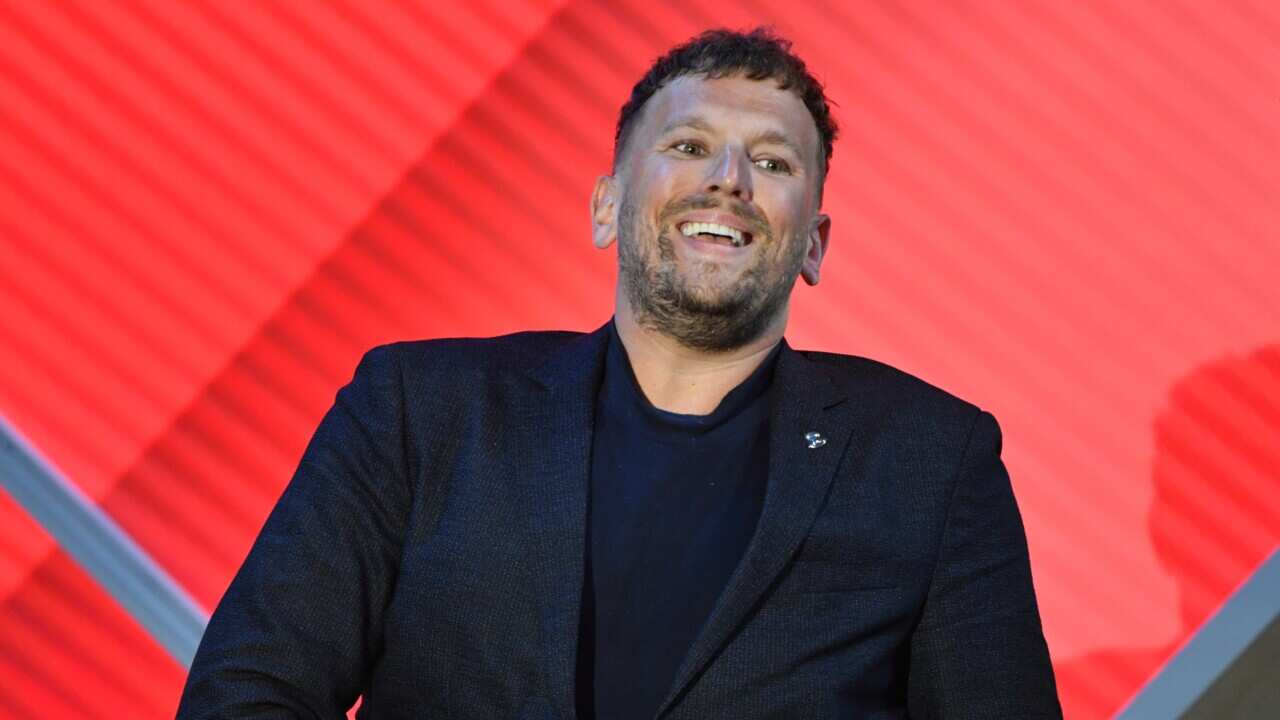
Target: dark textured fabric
<point>429,553</point>
<point>674,500</point>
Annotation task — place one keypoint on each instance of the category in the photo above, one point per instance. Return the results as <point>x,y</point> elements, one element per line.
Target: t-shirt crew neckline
<point>626,400</point>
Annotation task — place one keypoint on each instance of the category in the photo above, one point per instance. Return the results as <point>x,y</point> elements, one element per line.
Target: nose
<point>731,174</point>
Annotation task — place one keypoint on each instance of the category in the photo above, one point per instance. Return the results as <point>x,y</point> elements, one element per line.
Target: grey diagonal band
<point>1233,655</point>
<point>94,540</point>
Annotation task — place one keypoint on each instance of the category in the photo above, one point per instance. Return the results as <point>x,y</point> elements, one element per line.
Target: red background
<point>1065,212</point>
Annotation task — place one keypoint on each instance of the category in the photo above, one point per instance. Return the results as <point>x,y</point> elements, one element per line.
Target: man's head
<point>719,162</point>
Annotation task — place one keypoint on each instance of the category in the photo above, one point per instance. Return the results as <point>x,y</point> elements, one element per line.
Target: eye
<point>687,147</point>
<point>773,165</point>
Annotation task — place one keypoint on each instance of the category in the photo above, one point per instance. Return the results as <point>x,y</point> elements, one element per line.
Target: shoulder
<point>906,401</point>
<point>463,357</point>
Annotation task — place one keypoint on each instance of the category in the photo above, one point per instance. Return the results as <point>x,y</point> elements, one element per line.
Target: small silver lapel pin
<point>815,439</point>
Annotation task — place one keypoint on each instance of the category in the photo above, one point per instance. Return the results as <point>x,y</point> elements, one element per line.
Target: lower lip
<point>707,246</point>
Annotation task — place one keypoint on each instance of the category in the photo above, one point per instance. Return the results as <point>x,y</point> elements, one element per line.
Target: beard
<point>694,307</point>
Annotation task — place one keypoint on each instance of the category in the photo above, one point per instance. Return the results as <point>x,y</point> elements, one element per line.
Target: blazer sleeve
<point>298,628</point>
<point>979,649</point>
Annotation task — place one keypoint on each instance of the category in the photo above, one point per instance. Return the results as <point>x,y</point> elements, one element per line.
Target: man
<point>675,516</point>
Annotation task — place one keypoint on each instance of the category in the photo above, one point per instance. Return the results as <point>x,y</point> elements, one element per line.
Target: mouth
<point>715,233</point>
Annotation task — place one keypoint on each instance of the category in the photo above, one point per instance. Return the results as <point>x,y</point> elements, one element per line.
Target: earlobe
<point>604,212</point>
<point>818,238</point>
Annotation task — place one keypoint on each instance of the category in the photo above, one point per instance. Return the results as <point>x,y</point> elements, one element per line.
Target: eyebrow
<point>694,122</point>
<point>768,136</point>
<point>777,138</point>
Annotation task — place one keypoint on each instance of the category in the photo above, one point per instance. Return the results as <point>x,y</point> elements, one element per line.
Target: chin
<point>717,282</point>
<point>717,301</point>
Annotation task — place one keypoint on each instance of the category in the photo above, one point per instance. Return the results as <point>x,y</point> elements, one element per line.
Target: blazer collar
<point>574,368</point>
<point>574,371</point>
<point>812,425</point>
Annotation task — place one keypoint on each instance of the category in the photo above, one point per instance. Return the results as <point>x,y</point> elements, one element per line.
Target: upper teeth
<point>693,228</point>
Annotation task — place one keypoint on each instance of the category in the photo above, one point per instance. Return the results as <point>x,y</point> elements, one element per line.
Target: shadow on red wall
<point>1214,519</point>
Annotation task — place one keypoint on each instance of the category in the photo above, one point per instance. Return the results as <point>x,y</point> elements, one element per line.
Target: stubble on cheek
<point>661,285</point>
<point>631,264</point>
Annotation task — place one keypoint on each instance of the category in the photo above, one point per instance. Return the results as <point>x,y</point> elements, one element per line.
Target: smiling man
<point>674,516</point>
<point>715,194</point>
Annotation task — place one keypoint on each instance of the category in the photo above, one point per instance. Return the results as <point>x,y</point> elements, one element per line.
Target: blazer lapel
<point>804,400</point>
<point>553,435</point>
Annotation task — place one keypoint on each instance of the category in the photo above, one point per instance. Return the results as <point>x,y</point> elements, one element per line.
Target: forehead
<point>729,103</point>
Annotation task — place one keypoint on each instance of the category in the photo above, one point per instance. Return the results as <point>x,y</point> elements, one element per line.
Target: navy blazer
<point>428,553</point>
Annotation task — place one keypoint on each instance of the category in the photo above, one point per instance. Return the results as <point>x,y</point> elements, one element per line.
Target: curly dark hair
<point>758,54</point>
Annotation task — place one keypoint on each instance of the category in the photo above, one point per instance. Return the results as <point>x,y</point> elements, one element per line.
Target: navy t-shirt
<point>674,500</point>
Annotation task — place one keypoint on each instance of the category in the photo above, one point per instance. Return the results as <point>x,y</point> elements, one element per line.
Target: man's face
<point>714,206</point>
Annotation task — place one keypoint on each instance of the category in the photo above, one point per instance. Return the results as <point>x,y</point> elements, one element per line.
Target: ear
<point>818,236</point>
<point>604,212</point>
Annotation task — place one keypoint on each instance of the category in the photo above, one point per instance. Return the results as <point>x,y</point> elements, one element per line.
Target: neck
<point>683,380</point>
